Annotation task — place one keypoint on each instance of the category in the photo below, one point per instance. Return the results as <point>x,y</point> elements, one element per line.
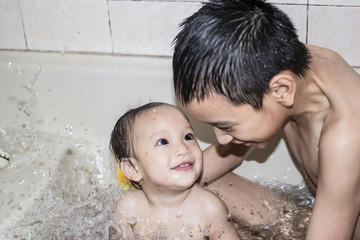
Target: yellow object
<point>123,181</point>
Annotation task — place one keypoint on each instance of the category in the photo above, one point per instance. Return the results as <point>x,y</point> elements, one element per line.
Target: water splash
<point>294,215</point>
<point>74,203</point>
<point>29,108</point>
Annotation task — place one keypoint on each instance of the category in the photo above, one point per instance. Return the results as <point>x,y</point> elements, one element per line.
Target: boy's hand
<point>221,159</point>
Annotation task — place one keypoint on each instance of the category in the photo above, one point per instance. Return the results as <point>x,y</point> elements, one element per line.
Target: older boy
<point>239,66</point>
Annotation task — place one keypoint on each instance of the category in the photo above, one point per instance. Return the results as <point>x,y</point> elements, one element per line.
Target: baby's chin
<point>185,179</point>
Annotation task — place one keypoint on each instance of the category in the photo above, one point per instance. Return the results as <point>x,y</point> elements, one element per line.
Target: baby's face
<point>167,151</point>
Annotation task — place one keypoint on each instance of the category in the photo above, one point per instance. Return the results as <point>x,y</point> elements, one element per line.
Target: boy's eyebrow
<point>220,123</point>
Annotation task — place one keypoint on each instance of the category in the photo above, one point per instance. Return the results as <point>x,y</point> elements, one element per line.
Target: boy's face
<point>167,151</point>
<point>239,124</point>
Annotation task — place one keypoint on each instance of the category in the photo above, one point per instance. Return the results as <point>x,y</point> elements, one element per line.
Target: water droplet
<point>266,226</point>
<point>69,129</point>
<point>80,147</point>
<point>90,160</point>
<point>98,207</point>
<point>179,214</point>
<point>132,221</point>
<point>228,216</point>
<point>207,232</point>
<point>19,70</point>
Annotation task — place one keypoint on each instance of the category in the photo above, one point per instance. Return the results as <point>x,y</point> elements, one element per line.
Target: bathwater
<point>54,188</point>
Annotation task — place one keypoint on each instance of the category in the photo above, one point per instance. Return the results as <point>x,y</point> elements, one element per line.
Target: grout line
<point>307,23</point>
<point>87,53</point>
<point>110,31</point>
<point>333,5</point>
<point>23,25</point>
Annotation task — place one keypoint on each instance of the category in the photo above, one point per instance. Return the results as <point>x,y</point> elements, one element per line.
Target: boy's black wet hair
<point>122,136</point>
<point>233,48</point>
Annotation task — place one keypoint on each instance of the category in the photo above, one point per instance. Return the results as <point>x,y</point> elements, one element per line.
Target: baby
<point>157,150</point>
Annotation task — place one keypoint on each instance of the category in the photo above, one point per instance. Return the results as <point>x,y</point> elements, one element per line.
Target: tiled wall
<point>148,27</point>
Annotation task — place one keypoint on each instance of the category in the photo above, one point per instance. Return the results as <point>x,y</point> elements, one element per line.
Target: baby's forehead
<point>160,111</point>
<point>159,115</point>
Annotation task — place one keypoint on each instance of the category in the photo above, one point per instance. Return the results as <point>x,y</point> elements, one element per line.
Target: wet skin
<point>167,164</point>
<point>320,118</point>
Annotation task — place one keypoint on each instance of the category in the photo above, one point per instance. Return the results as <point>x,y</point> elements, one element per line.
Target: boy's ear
<point>283,88</point>
<point>130,170</point>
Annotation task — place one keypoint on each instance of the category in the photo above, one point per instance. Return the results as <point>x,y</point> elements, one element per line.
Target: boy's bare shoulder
<point>325,53</point>
<point>335,77</point>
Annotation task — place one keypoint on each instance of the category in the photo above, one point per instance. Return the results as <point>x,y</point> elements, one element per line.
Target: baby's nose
<point>182,150</point>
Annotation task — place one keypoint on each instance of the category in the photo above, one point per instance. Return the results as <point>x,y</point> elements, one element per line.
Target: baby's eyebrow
<point>157,134</point>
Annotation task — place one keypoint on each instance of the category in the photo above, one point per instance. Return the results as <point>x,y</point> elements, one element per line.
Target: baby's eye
<point>189,137</point>
<point>162,141</point>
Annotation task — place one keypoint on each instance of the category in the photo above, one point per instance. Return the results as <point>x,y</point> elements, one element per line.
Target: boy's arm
<point>221,159</point>
<point>337,201</point>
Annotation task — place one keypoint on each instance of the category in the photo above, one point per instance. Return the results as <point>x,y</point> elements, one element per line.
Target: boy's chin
<point>262,145</point>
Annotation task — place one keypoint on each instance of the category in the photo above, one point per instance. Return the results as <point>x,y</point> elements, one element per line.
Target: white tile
<point>11,31</point>
<point>67,25</point>
<point>147,28</point>
<point>297,14</point>
<point>336,2</point>
<point>336,28</point>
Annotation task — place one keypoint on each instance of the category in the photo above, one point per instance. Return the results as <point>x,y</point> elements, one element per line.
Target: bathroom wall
<point>148,27</point>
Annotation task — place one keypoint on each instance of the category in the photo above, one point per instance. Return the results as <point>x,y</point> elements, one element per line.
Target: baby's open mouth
<point>183,166</point>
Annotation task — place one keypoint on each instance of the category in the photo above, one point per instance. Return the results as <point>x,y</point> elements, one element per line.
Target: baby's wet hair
<point>123,134</point>
<point>233,48</point>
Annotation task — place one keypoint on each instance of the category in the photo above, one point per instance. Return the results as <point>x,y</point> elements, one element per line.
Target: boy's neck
<point>309,99</point>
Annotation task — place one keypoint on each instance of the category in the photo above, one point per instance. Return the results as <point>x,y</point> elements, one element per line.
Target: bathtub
<point>56,114</point>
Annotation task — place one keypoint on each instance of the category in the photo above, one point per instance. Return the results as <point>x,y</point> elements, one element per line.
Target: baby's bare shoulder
<point>209,202</point>
<point>129,200</point>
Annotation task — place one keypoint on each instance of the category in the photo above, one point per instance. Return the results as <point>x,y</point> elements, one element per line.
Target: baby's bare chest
<point>179,224</point>
<point>172,229</point>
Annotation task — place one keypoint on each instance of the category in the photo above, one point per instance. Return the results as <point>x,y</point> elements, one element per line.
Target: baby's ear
<point>129,168</point>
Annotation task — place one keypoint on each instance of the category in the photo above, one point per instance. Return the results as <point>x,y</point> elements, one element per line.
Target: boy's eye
<point>225,129</point>
<point>189,137</point>
<point>162,141</point>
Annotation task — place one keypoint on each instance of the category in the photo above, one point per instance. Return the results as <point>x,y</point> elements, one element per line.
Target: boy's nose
<point>222,137</point>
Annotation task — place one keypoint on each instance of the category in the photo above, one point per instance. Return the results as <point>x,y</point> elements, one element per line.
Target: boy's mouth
<point>185,166</point>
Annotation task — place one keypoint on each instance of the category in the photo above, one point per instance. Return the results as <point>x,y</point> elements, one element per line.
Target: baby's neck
<point>167,198</point>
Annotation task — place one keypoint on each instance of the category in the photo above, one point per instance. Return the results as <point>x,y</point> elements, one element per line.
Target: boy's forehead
<point>208,106</point>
